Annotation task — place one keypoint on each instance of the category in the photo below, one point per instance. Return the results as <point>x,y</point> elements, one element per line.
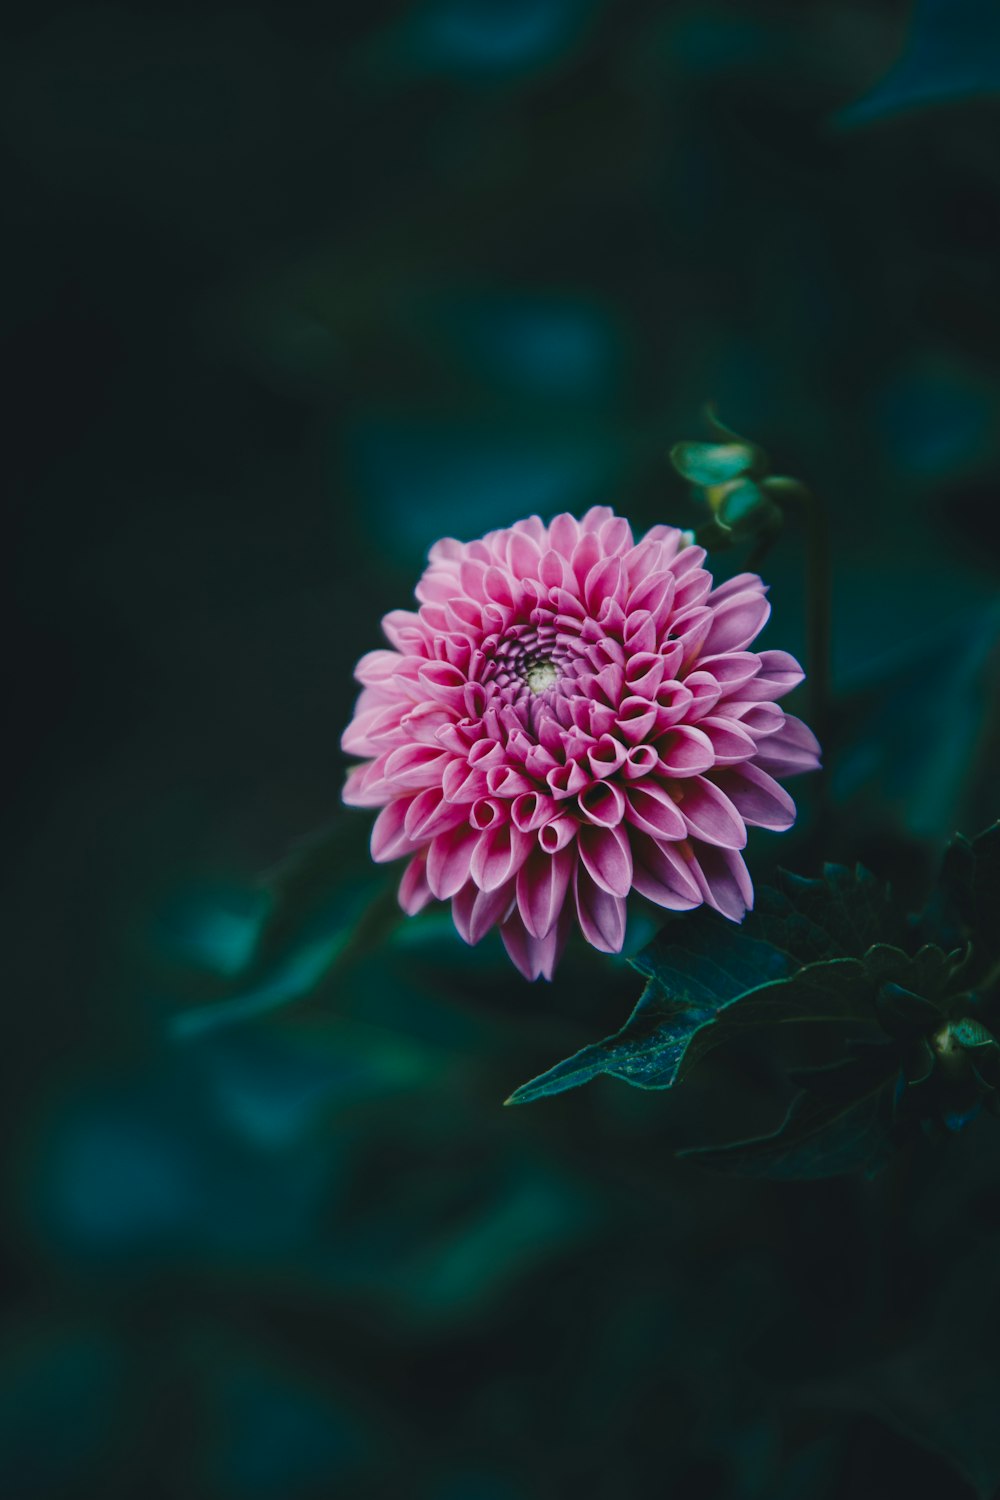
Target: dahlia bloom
<point>568,716</point>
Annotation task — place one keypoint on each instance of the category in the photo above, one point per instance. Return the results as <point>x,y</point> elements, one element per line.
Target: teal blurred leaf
<point>561,349</point>
<point>952,53</point>
<point>485,37</point>
<point>275,1434</point>
<point>913,761</point>
<point>424,480</point>
<point>322,905</point>
<point>64,1389</point>
<point>795,960</point>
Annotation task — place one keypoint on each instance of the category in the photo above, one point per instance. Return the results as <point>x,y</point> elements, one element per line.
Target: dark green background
<point>292,291</point>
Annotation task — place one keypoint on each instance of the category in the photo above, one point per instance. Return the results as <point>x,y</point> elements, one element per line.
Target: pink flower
<point>568,716</point>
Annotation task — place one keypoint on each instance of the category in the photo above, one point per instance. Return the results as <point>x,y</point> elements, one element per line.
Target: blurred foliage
<point>291,292</point>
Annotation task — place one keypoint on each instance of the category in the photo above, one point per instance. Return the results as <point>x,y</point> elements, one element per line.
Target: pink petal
<point>606,756</point>
<point>389,838</point>
<point>604,581</point>
<point>414,892</point>
<point>736,621</point>
<point>662,874</point>
<point>542,882</point>
<point>535,957</point>
<point>378,667</point>
<point>602,803</point>
<point>636,718</point>
<point>730,741</point>
<point>601,915</point>
<point>710,815</point>
<point>556,835</point>
<point>757,797</point>
<point>724,881</point>
<point>732,670</point>
<point>644,673</point>
<point>531,810</point>
<point>641,760</point>
<point>685,751</point>
<point>416,765</point>
<point>474,911</point>
<point>564,533</point>
<point>607,855</point>
<point>652,809</point>
<point>778,674</point>
<point>359,790</point>
<point>740,583</point>
<point>429,813</point>
<point>498,855</point>
<point>792,750</point>
<point>449,858</point>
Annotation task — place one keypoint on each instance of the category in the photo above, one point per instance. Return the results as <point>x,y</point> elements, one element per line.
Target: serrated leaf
<point>833,1128</point>
<point>795,960</point>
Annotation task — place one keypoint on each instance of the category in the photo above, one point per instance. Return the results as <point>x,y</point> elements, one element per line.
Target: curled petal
<point>662,872</point>
<point>791,751</point>
<point>498,855</point>
<point>736,622</point>
<point>778,674</point>
<point>710,815</point>
<point>685,751</point>
<point>724,880</point>
<point>556,835</point>
<point>757,797</point>
<point>652,809</point>
<point>535,957</point>
<point>603,803</point>
<point>542,883</point>
<point>449,859</point>
<point>475,911</point>
<point>607,857</point>
<point>389,838</point>
<point>730,741</point>
<point>601,915</point>
<point>414,892</point>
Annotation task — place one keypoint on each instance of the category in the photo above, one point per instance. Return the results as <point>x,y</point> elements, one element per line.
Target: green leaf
<point>831,1128</point>
<point>795,960</point>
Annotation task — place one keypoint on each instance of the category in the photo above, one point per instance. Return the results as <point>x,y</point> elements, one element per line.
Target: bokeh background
<point>291,292</point>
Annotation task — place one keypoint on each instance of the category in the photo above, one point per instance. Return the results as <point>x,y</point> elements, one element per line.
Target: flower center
<point>540,675</point>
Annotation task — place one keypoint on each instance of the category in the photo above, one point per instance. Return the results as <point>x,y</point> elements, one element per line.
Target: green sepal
<point>708,464</point>
<point>971,1033</point>
<point>746,508</point>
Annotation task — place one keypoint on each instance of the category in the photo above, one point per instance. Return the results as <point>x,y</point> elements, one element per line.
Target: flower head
<point>570,715</point>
